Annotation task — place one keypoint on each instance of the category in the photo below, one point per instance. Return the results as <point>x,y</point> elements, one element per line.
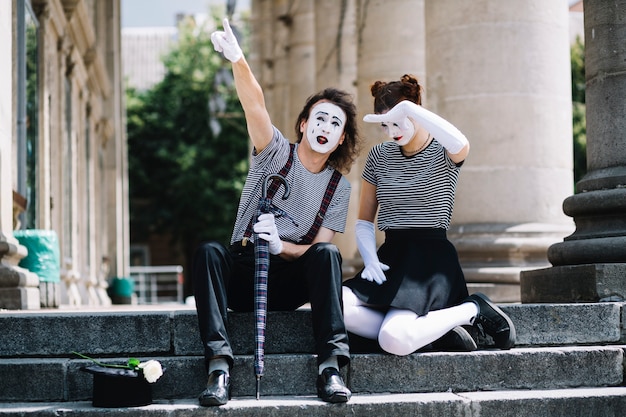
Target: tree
<point>578,109</point>
<point>187,147</point>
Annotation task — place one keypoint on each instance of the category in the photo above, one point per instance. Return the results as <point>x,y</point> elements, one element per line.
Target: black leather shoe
<point>493,321</point>
<point>456,340</point>
<point>217,390</point>
<point>330,387</point>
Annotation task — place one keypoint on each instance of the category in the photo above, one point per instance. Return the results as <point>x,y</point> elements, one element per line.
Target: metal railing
<point>158,284</point>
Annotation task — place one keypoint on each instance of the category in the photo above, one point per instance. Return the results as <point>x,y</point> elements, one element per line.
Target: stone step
<point>578,402</point>
<point>172,330</point>
<point>56,379</point>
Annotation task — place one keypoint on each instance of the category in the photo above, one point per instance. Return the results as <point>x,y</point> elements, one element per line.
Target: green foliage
<point>578,109</point>
<point>185,178</point>
<point>578,71</point>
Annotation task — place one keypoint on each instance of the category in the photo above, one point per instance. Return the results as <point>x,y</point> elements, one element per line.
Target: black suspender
<point>319,218</point>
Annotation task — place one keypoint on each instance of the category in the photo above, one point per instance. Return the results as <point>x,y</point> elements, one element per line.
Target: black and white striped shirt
<point>415,191</point>
<point>307,192</point>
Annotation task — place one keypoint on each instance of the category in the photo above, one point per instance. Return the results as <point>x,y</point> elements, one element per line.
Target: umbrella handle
<point>279,178</point>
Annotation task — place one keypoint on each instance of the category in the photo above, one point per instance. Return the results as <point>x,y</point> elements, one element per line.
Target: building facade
<point>63,148</point>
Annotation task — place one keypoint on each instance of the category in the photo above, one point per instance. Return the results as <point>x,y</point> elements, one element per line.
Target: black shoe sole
<point>211,402</point>
<point>337,397</point>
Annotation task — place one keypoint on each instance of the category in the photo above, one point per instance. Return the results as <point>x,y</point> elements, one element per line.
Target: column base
<point>20,298</point>
<point>574,284</point>
<point>493,255</point>
<point>50,294</point>
<point>19,288</point>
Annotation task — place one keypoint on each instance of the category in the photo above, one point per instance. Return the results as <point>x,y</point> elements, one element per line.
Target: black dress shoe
<point>217,390</point>
<point>330,387</point>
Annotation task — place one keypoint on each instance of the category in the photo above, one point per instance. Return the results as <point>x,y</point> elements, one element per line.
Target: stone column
<point>335,66</point>
<point>116,163</point>
<point>257,44</point>
<point>500,72</point>
<point>18,287</point>
<point>590,264</point>
<point>282,56</point>
<point>273,42</point>
<point>391,43</point>
<point>301,59</point>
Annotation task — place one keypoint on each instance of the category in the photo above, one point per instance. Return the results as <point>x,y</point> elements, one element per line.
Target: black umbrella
<point>261,267</point>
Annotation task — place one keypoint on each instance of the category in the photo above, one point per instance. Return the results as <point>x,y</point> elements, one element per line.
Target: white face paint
<point>401,133</point>
<point>325,127</point>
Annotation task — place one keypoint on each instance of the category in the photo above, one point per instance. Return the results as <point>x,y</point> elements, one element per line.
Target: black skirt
<point>424,273</point>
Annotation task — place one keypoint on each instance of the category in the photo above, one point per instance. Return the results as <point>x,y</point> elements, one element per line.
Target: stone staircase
<point>568,361</point>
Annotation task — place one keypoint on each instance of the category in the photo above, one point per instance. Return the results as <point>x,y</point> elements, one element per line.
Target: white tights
<point>402,332</point>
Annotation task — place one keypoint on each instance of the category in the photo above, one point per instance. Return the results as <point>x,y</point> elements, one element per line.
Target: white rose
<point>151,370</point>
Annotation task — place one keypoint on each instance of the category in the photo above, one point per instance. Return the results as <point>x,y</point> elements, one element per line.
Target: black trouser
<point>224,278</point>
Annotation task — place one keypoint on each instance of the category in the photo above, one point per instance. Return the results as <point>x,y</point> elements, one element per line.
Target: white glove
<point>449,136</point>
<point>266,229</point>
<point>226,43</point>
<point>366,242</point>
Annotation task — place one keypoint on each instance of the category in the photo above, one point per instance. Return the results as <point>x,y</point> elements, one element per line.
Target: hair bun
<point>377,87</point>
<point>410,86</point>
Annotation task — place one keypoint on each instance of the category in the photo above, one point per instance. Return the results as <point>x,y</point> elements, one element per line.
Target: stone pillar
<point>116,152</point>
<point>590,264</point>
<point>335,45</point>
<point>277,41</point>
<point>18,287</point>
<point>301,60</point>
<point>335,66</point>
<point>500,72</point>
<point>257,45</point>
<point>391,43</point>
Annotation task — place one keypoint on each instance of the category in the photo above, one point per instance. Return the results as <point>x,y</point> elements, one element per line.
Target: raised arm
<point>248,89</point>
<point>445,132</point>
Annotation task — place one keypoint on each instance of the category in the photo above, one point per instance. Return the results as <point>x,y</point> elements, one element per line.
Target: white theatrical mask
<point>401,133</point>
<point>325,127</point>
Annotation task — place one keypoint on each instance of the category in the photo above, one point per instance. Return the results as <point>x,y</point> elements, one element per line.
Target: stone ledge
<point>173,331</point>
<point>608,402</point>
<point>529,368</point>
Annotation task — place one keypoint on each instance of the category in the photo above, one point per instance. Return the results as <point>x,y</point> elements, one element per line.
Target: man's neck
<point>313,161</point>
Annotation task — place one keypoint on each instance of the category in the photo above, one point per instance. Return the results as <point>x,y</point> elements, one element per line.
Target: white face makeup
<point>325,127</point>
<point>400,133</point>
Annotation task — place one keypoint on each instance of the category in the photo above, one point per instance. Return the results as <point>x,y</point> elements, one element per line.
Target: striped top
<point>307,192</point>
<point>412,192</point>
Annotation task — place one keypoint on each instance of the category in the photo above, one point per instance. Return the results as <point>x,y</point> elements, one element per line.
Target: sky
<point>155,13</point>
<point>150,13</point>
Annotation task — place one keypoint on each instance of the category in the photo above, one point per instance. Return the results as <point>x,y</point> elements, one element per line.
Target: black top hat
<point>118,387</point>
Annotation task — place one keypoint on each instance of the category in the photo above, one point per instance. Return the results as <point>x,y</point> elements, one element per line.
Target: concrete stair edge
<point>606,402</point>
<point>174,332</point>
<point>41,379</point>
